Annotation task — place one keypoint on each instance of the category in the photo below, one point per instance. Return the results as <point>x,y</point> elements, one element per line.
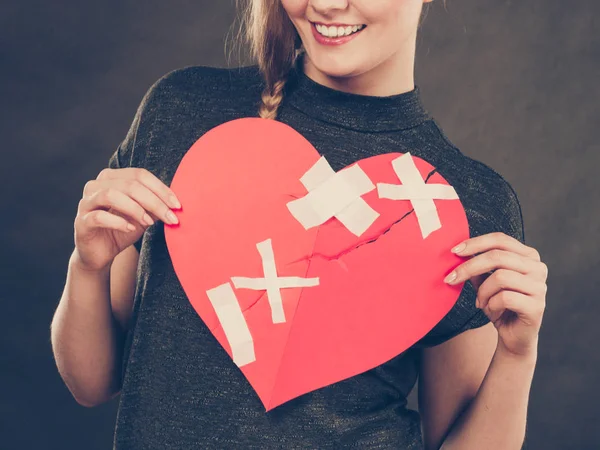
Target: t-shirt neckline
<point>354,111</point>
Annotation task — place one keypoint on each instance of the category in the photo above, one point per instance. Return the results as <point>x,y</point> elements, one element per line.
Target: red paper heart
<point>378,293</point>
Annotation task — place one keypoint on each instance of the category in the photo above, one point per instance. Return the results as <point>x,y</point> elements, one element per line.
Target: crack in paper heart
<point>345,252</point>
<point>370,241</point>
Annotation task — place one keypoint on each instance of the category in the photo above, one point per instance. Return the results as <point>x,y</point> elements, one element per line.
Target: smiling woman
<point>354,161</point>
<point>387,40</point>
<point>378,60</point>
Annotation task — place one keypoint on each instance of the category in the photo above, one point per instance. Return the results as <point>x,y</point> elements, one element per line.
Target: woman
<point>340,72</point>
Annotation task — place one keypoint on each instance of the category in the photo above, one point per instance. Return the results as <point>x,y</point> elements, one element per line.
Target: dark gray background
<point>513,83</point>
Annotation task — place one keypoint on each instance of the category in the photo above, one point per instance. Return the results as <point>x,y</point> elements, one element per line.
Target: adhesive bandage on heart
<point>234,324</point>
<point>230,314</point>
<point>335,194</point>
<point>271,282</point>
<point>420,194</point>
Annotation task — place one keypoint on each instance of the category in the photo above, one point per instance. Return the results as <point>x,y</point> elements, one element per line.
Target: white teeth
<point>333,31</point>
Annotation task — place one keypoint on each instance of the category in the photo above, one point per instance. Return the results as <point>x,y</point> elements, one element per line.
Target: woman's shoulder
<point>185,101</point>
<point>202,80</point>
<point>197,90</point>
<point>490,195</point>
<point>497,199</point>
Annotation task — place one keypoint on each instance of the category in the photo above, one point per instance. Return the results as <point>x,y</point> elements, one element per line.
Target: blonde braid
<point>275,44</point>
<point>271,99</point>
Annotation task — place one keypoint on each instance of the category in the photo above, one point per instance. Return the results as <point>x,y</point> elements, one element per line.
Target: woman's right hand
<point>116,199</point>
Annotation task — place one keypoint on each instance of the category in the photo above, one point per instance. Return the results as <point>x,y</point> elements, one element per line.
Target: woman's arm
<point>473,394</point>
<point>88,327</point>
<point>496,418</point>
<point>513,297</point>
<point>450,375</point>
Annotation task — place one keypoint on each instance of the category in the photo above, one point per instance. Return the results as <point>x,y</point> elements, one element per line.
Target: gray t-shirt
<point>181,390</point>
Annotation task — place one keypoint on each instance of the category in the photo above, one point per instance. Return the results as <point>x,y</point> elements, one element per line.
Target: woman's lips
<point>332,40</point>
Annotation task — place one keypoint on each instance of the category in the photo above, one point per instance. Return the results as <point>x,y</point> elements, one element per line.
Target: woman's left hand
<point>514,295</point>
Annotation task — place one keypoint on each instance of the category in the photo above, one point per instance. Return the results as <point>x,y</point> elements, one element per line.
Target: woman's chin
<point>336,69</point>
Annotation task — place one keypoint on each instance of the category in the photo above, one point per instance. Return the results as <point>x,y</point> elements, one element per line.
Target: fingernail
<point>172,217</point>
<point>174,202</point>
<point>148,220</point>
<point>459,248</point>
<point>450,278</point>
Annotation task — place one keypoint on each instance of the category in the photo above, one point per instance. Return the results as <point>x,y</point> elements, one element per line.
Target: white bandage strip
<point>234,324</point>
<point>271,282</point>
<point>338,195</point>
<point>420,194</point>
<point>317,174</point>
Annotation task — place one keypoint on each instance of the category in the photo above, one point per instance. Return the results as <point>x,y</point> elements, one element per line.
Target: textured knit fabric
<point>181,390</point>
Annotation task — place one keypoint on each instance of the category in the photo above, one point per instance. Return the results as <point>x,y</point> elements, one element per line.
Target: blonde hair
<point>274,44</point>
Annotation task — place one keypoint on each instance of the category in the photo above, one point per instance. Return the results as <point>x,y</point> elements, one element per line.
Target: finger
<point>100,218</point>
<point>492,260</point>
<point>520,304</point>
<point>112,198</point>
<point>151,203</point>
<point>542,271</point>
<point>499,241</point>
<point>495,308</point>
<point>146,178</point>
<point>503,279</point>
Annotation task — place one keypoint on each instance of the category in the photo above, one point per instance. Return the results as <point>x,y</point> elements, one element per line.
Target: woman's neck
<point>393,76</point>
